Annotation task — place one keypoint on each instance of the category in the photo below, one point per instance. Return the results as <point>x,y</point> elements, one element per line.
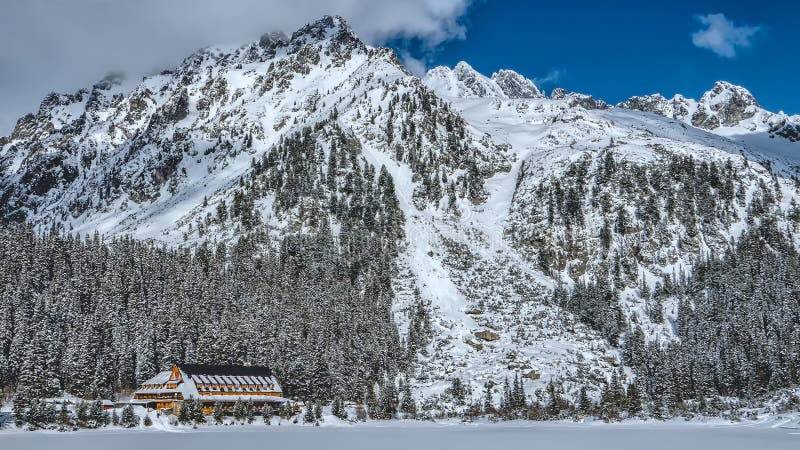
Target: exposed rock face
<point>558,94</point>
<point>655,103</point>
<point>515,85</point>
<point>732,104</point>
<point>576,99</point>
<point>732,111</point>
<point>790,131</point>
<point>487,335</point>
<point>725,105</point>
<point>273,39</point>
<point>702,118</point>
<point>174,134</point>
<point>470,83</point>
<point>463,81</point>
<point>532,375</point>
<point>677,107</point>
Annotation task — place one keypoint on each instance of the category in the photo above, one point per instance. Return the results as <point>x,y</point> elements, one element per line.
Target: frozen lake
<point>423,436</point>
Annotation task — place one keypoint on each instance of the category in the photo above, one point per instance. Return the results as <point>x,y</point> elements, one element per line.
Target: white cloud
<point>721,36</point>
<point>48,45</point>
<point>554,76</point>
<point>417,66</point>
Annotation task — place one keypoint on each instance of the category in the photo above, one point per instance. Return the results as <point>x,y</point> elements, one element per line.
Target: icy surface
<point>390,436</point>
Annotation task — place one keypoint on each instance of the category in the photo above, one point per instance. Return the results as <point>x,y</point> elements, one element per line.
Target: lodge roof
<point>224,370</point>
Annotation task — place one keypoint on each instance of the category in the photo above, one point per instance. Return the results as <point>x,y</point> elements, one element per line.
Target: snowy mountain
<point>505,197</point>
<point>733,112</point>
<point>463,81</point>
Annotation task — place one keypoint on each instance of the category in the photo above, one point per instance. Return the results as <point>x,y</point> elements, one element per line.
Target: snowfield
<point>775,435</point>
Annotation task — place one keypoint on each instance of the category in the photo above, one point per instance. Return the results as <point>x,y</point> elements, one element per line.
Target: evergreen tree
<point>634,404</point>
<point>308,416</point>
<point>82,413</point>
<point>97,416</point>
<point>249,411</point>
<point>129,419</point>
<point>488,401</point>
<point>584,402</point>
<point>64,418</point>
<point>217,413</point>
<point>337,408</point>
<point>408,405</point>
<point>266,413</point>
<point>239,411</point>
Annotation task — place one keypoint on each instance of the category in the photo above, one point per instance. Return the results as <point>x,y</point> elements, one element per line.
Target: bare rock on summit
<point>576,99</point>
<point>487,335</point>
<point>515,85</point>
<point>732,104</point>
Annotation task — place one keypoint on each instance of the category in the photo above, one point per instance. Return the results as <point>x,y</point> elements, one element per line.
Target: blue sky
<point>613,50</point>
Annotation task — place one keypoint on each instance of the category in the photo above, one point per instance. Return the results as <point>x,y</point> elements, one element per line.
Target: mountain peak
<point>273,38</point>
<point>724,92</point>
<point>515,85</point>
<point>726,109</point>
<point>465,82</point>
<point>726,105</point>
<point>322,28</point>
<point>333,28</point>
<point>462,81</point>
<point>464,67</point>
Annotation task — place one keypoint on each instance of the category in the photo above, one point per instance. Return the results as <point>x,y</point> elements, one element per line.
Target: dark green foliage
<point>250,411</point>
<point>634,405</point>
<point>338,409</point>
<point>129,419</point>
<point>318,410</point>
<point>458,391</point>
<point>266,413</point>
<point>308,416</point>
<point>596,304</point>
<point>419,331</point>
<point>217,413</point>
<point>40,414</point>
<point>239,411</point>
<point>514,402</point>
<point>82,412</point>
<point>64,416</point>
<point>388,400</point>
<point>97,417</point>
<point>408,406</point>
<point>191,411</point>
<point>739,328</point>
<point>94,317</point>
<point>585,404</point>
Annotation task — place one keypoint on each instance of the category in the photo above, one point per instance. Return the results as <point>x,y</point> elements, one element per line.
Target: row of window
<point>176,396</point>
<point>235,387</point>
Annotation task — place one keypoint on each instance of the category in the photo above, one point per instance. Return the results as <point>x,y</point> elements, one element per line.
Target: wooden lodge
<point>209,384</point>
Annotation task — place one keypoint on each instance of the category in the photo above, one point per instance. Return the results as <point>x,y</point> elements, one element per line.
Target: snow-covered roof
<point>215,379</point>
<point>160,378</point>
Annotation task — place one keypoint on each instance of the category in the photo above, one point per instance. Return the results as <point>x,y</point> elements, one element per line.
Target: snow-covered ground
<point>775,435</point>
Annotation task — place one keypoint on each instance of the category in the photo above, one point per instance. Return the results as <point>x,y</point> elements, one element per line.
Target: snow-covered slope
<point>505,194</point>
<point>144,162</point>
<point>733,112</point>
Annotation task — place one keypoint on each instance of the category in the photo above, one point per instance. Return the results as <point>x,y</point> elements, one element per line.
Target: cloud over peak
<point>721,36</point>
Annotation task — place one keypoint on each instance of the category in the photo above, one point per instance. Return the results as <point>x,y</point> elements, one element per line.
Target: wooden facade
<point>210,384</point>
